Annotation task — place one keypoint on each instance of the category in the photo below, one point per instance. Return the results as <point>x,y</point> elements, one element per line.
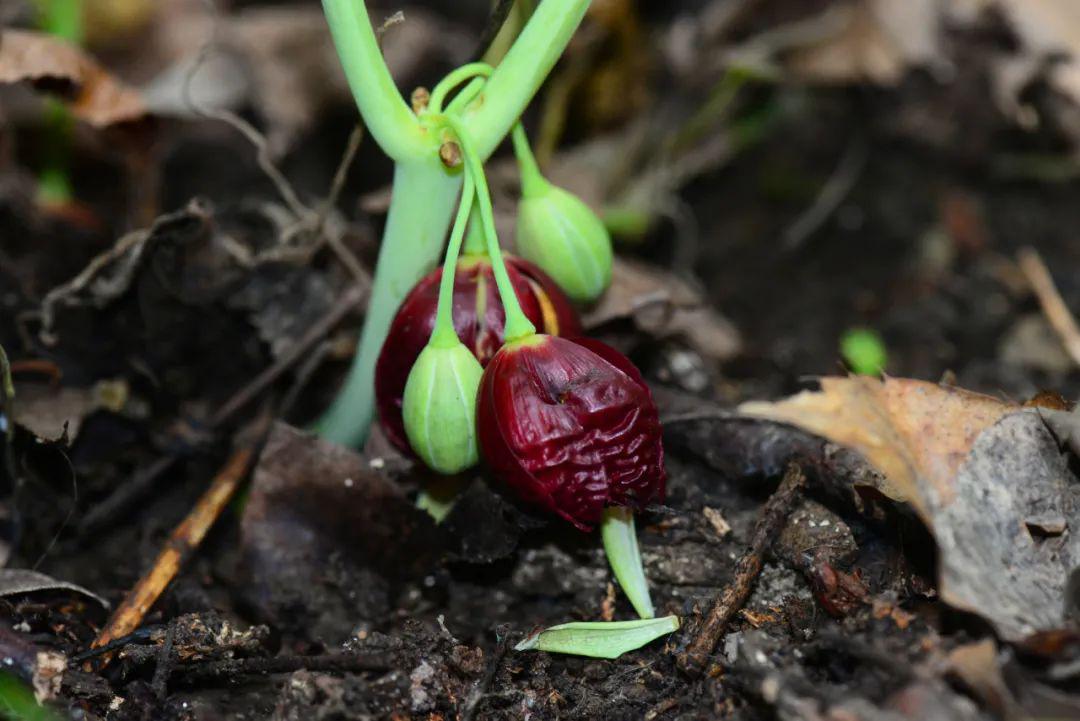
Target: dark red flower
<point>478,320</point>
<point>570,425</point>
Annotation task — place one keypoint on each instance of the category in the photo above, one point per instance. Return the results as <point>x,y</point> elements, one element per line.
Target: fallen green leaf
<point>599,639</point>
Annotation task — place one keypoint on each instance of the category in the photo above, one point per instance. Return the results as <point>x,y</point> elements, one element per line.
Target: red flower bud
<point>570,425</point>
<point>478,320</point>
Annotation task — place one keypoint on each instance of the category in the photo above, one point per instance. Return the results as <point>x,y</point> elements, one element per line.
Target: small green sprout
<point>863,351</point>
<point>621,547</point>
<point>599,639</point>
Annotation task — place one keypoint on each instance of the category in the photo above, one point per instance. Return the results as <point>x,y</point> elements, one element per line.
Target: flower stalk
<point>424,189</point>
<point>621,548</point>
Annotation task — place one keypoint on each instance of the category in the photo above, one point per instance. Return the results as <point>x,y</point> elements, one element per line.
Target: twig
<point>331,662</point>
<point>185,538</point>
<point>165,662</point>
<point>128,494</point>
<point>1062,321</point>
<point>479,690</point>
<point>347,303</point>
<point>306,219</point>
<point>340,175</point>
<point>832,194</point>
<point>771,521</point>
<point>141,634</point>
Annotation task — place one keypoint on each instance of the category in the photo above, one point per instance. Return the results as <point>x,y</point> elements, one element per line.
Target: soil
<point>293,608</point>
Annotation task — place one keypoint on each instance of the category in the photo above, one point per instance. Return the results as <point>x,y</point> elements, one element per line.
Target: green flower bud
<point>563,236</point>
<point>439,407</point>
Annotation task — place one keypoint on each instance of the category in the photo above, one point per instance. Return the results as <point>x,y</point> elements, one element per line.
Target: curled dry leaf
<point>987,477</point>
<point>663,305</point>
<point>916,433</point>
<point>17,581</point>
<point>47,62</point>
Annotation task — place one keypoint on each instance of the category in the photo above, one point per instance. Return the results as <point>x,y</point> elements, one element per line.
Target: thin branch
<point>773,517</point>
<point>832,194</point>
<point>1053,306</point>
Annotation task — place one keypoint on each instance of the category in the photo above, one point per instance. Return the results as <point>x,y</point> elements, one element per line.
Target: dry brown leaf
<point>663,305</point>
<point>987,477</point>
<point>907,429</point>
<point>1050,28</point>
<point>90,91</point>
<point>878,41</point>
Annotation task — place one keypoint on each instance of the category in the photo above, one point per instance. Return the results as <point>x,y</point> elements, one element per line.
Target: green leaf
<point>600,639</point>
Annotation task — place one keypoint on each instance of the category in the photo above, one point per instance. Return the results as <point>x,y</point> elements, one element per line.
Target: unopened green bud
<point>439,407</point>
<point>563,236</point>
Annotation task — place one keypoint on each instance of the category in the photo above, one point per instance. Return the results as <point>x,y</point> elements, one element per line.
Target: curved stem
<point>386,114</point>
<point>452,80</point>
<point>444,335</point>
<point>533,182</point>
<point>621,547</point>
<point>517,78</point>
<point>517,325</point>
<point>466,96</point>
<point>422,205</point>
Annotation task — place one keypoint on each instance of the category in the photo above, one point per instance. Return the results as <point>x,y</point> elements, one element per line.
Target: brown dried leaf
<point>1050,28</point>
<point>18,581</point>
<point>876,41</point>
<point>91,92</point>
<point>909,430</point>
<point>663,305</point>
<point>987,477</point>
<point>326,537</point>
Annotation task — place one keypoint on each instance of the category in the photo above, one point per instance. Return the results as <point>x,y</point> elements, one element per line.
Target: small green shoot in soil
<point>864,351</point>
<point>17,702</point>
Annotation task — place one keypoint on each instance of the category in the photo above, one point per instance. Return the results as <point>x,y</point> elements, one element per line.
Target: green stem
<point>386,114</point>
<point>444,335</point>
<point>455,78</point>
<point>62,18</point>
<point>517,324</point>
<point>621,547</point>
<point>420,211</point>
<point>533,182</point>
<point>475,242</point>
<point>424,193</point>
<point>517,78</point>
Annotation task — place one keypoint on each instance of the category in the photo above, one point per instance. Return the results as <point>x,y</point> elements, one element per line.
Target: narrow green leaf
<point>600,639</point>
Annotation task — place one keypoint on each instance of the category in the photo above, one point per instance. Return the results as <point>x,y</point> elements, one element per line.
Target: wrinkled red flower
<point>478,320</point>
<point>570,425</point>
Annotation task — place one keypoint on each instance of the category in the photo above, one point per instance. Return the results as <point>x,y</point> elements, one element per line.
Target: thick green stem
<point>533,182</point>
<point>517,324</point>
<point>424,192</point>
<point>388,118</point>
<point>517,78</point>
<point>621,547</point>
<point>420,210</point>
<point>444,335</point>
